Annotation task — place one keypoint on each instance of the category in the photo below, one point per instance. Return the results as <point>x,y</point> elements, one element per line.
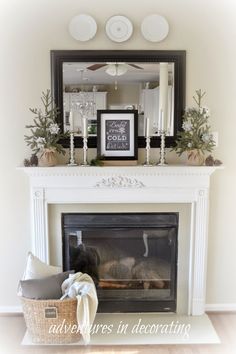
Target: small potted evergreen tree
<point>45,132</point>
<point>195,138</point>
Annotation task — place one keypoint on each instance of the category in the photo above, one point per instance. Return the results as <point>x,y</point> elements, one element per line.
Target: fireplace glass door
<point>132,258</point>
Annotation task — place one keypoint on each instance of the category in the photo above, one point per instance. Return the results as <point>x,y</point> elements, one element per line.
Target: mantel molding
<point>121,185</point>
<point>119,182</point>
<point>61,171</point>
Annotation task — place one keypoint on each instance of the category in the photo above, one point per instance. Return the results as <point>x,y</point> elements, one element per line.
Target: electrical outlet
<point>216,138</point>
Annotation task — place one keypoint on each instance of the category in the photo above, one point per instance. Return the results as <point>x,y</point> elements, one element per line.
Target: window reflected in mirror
<point>146,87</point>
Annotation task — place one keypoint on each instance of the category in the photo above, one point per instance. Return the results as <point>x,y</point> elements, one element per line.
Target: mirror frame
<point>58,57</point>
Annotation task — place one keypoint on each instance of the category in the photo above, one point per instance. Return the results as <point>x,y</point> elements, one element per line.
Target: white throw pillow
<point>36,269</point>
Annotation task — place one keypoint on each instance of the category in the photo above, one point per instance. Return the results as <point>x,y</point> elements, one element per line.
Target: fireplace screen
<point>132,258</point>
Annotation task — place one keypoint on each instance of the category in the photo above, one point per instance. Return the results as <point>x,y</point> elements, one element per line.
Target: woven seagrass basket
<point>51,321</point>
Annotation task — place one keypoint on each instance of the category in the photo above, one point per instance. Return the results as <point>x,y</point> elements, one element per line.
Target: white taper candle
<point>161,120</point>
<point>85,127</point>
<point>147,130</point>
<point>71,121</point>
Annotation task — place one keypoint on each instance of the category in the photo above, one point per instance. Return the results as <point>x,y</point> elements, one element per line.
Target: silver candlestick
<point>162,161</point>
<point>85,149</point>
<point>148,147</point>
<point>72,151</point>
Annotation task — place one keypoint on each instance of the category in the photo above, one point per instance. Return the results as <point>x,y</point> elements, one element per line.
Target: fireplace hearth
<point>132,258</point>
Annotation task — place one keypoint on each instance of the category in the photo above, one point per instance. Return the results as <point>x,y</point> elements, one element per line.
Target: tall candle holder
<point>148,148</point>
<point>162,161</point>
<point>85,150</point>
<point>85,140</point>
<point>72,151</point>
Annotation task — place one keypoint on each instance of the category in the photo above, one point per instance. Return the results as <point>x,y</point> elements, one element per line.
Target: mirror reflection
<point>146,87</point>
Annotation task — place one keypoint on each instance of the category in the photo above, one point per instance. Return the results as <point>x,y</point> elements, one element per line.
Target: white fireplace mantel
<point>133,184</point>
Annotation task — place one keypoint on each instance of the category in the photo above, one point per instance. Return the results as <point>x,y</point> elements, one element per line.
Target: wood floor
<point>12,330</point>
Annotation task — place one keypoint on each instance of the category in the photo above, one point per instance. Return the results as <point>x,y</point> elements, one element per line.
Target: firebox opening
<point>132,258</point>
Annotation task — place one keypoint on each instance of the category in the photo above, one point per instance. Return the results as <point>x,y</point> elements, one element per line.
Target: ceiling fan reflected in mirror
<point>114,69</point>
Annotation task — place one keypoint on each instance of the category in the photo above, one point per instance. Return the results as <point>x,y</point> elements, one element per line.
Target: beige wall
<point>29,29</point>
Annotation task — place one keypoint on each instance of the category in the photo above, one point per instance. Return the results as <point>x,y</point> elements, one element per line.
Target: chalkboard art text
<point>117,134</point>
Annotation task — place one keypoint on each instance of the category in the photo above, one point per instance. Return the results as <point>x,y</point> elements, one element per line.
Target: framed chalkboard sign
<point>117,134</point>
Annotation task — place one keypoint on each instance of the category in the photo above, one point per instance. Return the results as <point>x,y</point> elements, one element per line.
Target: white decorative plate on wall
<point>154,28</point>
<point>83,27</point>
<point>119,28</point>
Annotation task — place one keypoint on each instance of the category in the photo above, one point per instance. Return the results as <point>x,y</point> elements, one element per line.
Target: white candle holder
<point>148,148</point>
<point>72,151</point>
<point>85,150</point>
<point>162,161</point>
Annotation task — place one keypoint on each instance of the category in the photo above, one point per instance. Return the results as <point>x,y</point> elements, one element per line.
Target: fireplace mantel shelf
<point>120,176</point>
<point>86,179</point>
<point>62,170</point>
<point>127,185</point>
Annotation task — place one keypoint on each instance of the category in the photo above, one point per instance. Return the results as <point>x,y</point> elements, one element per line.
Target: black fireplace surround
<point>132,258</point>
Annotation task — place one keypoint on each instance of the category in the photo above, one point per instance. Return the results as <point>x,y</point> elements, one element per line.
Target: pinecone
<point>34,160</point>
<point>26,162</point>
<point>217,162</point>
<point>209,161</point>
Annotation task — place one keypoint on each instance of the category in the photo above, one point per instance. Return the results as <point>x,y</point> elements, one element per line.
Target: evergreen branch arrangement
<point>98,161</point>
<point>196,129</point>
<point>45,132</point>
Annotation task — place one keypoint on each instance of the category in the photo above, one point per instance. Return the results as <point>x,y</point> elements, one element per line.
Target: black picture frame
<point>178,57</point>
<point>117,133</point>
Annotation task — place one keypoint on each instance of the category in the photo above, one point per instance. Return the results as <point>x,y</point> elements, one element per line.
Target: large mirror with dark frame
<point>151,82</point>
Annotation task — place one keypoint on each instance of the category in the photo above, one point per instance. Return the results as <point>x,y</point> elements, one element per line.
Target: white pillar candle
<point>85,127</point>
<point>147,130</point>
<point>163,95</point>
<point>71,121</point>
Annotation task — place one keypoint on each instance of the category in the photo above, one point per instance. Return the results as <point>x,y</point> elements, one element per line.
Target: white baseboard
<point>220,307</point>
<point>208,308</point>
<point>10,309</point>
